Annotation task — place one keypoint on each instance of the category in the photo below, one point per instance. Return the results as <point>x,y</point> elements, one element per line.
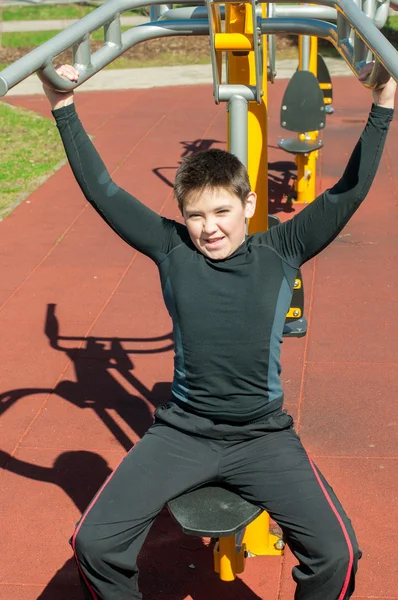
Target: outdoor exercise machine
<point>306,84</point>
<point>247,43</point>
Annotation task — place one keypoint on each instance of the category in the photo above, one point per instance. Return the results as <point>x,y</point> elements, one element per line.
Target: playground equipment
<point>241,529</point>
<point>247,44</point>
<point>303,111</point>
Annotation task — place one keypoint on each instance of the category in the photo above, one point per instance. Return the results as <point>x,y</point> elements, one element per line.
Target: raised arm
<point>139,226</point>
<point>319,223</point>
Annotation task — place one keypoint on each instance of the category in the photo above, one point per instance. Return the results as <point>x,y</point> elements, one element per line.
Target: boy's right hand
<point>60,99</point>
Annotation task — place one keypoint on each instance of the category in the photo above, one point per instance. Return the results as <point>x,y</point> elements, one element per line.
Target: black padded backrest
<point>302,105</point>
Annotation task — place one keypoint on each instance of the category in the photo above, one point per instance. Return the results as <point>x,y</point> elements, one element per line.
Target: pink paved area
<point>86,351</point>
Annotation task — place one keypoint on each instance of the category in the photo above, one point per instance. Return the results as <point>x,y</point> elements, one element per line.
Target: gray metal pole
<point>155,12</point>
<point>292,11</point>
<point>189,12</point>
<point>369,8</point>
<point>381,14</point>
<point>305,11</point>
<point>238,109</point>
<point>305,53</point>
<point>383,51</point>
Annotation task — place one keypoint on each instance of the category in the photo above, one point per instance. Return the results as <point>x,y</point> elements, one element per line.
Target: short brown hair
<point>211,169</point>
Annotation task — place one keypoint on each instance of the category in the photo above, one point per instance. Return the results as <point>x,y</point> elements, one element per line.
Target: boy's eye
<point>223,211</point>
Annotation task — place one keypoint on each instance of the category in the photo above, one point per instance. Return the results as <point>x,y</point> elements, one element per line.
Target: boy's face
<point>216,221</point>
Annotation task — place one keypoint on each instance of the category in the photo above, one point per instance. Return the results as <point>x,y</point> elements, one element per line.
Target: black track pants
<point>265,462</point>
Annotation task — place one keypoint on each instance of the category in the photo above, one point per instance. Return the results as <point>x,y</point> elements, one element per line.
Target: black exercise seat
<point>295,328</point>
<point>297,146</point>
<point>212,511</point>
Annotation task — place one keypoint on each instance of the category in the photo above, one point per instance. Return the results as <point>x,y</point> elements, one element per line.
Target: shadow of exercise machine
<point>103,379</point>
<point>189,148</point>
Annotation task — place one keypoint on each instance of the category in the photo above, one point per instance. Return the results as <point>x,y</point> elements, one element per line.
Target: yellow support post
<point>306,172</point>
<point>326,86</point>
<point>241,70</point>
<point>258,539</point>
<point>314,55</point>
<point>306,163</point>
<point>229,559</point>
<point>237,41</point>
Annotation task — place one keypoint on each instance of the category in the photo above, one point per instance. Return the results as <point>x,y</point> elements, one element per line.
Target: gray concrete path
<point>125,79</point>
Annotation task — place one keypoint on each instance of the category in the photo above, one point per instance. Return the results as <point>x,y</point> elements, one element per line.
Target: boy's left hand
<point>385,94</point>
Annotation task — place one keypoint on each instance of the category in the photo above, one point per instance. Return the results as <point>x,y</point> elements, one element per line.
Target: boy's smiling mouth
<point>214,241</point>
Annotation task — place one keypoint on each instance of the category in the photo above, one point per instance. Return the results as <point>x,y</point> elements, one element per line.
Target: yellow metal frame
<point>326,86</point>
<point>237,42</point>
<point>230,555</point>
<point>241,70</point>
<point>229,558</point>
<point>258,539</point>
<point>306,163</point>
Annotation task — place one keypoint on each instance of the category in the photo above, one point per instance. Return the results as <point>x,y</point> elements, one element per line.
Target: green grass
<point>45,12</point>
<point>392,23</point>
<point>30,149</point>
<point>390,30</point>
<point>27,39</point>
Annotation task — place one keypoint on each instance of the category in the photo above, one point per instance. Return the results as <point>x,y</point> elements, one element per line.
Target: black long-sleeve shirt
<point>228,315</point>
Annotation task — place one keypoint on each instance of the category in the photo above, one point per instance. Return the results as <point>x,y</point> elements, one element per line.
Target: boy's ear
<point>250,205</point>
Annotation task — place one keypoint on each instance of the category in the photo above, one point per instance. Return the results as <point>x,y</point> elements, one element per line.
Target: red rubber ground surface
<point>86,354</point>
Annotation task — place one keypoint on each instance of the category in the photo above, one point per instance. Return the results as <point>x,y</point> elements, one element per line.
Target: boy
<point>227,294</point>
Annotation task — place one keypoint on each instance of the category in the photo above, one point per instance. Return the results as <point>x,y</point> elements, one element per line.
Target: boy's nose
<point>209,226</point>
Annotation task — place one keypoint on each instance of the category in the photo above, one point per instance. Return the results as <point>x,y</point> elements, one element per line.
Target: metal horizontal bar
<point>306,11</point>
<point>44,54</point>
<point>369,34</point>
<point>226,92</point>
<point>321,29</point>
<point>40,59</point>
<point>188,12</point>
